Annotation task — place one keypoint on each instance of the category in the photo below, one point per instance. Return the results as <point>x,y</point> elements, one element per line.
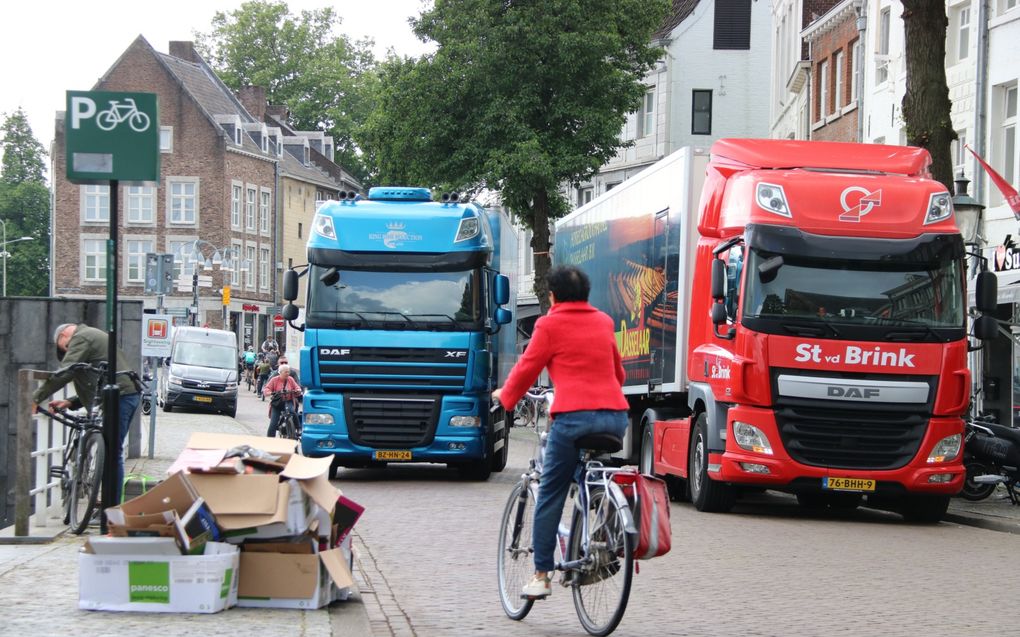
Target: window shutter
<point>732,24</point>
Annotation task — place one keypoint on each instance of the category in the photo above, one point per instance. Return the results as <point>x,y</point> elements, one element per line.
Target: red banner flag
<point>1008,191</point>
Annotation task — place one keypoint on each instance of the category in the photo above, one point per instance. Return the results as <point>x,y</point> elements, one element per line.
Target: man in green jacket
<point>84,344</point>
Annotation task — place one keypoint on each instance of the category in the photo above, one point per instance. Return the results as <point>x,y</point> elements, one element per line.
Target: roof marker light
<point>772,199</point>
<point>468,229</point>
<point>940,207</point>
<point>322,225</point>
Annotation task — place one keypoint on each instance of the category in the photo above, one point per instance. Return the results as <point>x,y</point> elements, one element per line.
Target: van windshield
<point>205,355</point>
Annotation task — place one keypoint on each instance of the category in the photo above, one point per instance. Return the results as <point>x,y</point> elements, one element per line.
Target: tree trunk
<point>540,247</point>
<point>926,105</point>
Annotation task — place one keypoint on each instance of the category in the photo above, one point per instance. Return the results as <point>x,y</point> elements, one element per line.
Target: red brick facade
<point>832,46</point>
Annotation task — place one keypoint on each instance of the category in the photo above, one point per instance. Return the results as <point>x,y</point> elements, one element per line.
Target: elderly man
<point>289,390</point>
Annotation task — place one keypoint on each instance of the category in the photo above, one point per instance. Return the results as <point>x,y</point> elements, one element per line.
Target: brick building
<point>833,41</point>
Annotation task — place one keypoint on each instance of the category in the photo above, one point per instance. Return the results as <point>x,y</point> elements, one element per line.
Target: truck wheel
<point>927,509</point>
<point>334,468</point>
<point>706,494</point>
<point>500,457</point>
<point>480,470</point>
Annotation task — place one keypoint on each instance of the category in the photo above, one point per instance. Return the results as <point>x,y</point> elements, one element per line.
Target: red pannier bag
<point>649,503</point>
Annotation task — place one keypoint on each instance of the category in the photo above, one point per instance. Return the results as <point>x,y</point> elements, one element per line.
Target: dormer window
<point>232,127</point>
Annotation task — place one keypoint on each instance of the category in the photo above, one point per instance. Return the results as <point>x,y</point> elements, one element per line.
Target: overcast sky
<point>48,47</point>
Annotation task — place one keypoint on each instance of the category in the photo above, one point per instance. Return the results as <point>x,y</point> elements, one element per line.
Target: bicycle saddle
<point>599,442</point>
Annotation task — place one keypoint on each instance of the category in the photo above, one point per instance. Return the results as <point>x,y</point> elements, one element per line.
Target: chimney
<point>253,98</point>
<point>278,112</point>
<point>184,50</point>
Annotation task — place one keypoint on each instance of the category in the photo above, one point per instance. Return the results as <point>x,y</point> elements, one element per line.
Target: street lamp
<point>4,253</point>
<point>222,258</point>
<point>968,213</point>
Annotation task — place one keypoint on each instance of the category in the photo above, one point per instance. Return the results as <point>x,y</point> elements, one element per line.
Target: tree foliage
<point>520,97</point>
<point>24,208</point>
<point>302,62</point>
<point>926,105</point>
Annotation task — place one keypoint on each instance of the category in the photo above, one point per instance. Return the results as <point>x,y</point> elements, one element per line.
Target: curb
<point>984,522</point>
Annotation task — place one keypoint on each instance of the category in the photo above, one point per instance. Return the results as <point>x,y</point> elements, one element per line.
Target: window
<point>646,121</point>
<point>264,212</point>
<point>300,230</point>
<point>701,119</point>
<point>882,50</point>
<point>249,210</point>
<point>235,205</point>
<point>181,249</point>
<point>249,275</point>
<point>959,152</point>
<point>236,257</point>
<point>183,201</point>
<point>136,250</point>
<point>838,90</point>
<point>1009,134</point>
<point>141,200</point>
<point>166,139</point>
<point>585,196</point>
<point>732,25</point>
<point>94,256</point>
<point>96,203</point>
<point>264,268</point>
<point>823,90</point>
<point>962,33</point>
<point>855,69</point>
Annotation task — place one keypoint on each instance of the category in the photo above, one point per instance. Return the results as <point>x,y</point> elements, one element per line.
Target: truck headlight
<point>174,380</point>
<point>940,206</point>
<point>751,438</point>
<point>231,386</point>
<point>465,421</point>
<point>467,229</point>
<point>318,419</point>
<point>946,449</point>
<point>322,225</point>
<point>772,197</point>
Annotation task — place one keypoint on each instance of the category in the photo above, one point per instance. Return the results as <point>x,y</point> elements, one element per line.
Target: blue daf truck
<point>408,328</point>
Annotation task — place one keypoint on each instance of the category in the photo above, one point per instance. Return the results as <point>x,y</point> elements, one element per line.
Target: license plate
<point>392,455</point>
<point>848,484</point>
<point>203,399</point>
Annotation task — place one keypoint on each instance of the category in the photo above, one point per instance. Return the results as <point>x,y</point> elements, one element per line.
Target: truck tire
<point>479,470</point>
<point>707,495</point>
<point>675,485</point>
<point>500,457</point>
<point>646,457</point>
<point>926,509</point>
<point>334,467</point>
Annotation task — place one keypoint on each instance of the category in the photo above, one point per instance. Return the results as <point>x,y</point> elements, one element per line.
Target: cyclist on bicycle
<point>287,390</point>
<point>249,361</point>
<point>576,343</point>
<point>270,345</point>
<point>262,370</point>
<point>84,344</point>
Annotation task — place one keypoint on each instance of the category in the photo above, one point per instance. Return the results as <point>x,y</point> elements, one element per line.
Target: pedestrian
<point>289,391</point>
<point>577,344</point>
<point>84,344</point>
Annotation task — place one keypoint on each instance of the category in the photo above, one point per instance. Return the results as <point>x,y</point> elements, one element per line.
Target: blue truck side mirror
<point>501,292</point>
<point>502,316</point>
<point>290,285</point>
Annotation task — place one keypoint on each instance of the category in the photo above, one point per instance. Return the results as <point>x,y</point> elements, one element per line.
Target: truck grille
<point>382,367</point>
<point>194,384</point>
<point>848,437</point>
<point>394,422</point>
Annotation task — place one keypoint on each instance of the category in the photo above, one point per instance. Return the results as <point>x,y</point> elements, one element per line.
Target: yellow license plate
<point>392,455</point>
<point>848,484</point>
<point>203,399</point>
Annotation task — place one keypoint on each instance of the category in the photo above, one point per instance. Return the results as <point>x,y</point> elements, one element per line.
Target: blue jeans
<point>128,406</point>
<point>560,468</point>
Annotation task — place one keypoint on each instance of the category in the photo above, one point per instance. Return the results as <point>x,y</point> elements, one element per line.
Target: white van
<point>201,372</point>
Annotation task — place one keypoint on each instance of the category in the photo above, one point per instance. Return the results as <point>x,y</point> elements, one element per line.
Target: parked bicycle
<point>81,470</point>
<point>594,554</point>
<point>532,407</point>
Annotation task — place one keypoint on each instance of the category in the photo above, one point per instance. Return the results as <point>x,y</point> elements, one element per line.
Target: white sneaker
<point>537,588</point>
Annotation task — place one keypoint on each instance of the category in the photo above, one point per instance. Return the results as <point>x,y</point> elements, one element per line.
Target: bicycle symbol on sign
<point>120,112</point>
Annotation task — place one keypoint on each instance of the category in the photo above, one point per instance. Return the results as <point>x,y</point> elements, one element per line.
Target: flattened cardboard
<point>235,522</point>
<point>238,494</point>
<point>321,491</point>
<point>283,575</point>
<point>298,548</point>
<point>305,468</point>
<point>176,493</point>
<point>336,564</point>
<point>205,440</point>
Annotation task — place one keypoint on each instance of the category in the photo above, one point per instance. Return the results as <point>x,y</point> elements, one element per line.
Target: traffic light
<point>226,294</point>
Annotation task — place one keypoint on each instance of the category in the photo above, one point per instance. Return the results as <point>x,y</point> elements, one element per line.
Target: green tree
<point>301,62</point>
<point>24,207</point>
<point>926,105</point>
<point>520,97</point>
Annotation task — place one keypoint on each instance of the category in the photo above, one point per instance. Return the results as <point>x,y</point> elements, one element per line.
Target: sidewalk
<point>39,582</point>
<point>995,513</point>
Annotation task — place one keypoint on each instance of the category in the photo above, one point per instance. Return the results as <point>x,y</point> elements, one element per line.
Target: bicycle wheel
<point>514,563</point>
<point>85,482</point>
<point>601,587</point>
<point>287,428</point>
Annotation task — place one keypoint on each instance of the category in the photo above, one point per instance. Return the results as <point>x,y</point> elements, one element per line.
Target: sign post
<point>111,137</point>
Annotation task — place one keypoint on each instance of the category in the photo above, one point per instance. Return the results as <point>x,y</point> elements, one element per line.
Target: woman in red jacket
<point>577,344</point>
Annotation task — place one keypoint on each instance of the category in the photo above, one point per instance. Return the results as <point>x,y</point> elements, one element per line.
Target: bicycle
<point>123,112</point>
<point>595,554</point>
<point>531,407</point>
<point>289,425</point>
<point>84,454</point>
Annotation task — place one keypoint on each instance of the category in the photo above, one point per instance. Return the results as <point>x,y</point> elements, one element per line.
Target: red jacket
<point>577,344</point>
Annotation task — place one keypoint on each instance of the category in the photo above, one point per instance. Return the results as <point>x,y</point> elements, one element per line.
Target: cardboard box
<point>160,583</point>
<point>171,509</point>
<point>288,576</point>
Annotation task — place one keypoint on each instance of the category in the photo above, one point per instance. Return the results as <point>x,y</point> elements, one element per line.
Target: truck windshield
<point>204,355</point>
<point>901,299</point>
<point>395,300</point>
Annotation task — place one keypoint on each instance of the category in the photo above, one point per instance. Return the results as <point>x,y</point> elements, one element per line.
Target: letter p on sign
<point>81,108</point>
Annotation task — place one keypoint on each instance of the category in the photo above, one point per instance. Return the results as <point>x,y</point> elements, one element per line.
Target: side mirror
<point>290,286</point>
<point>502,316</point>
<point>501,291</point>
<point>986,327</point>
<point>289,311</point>
<point>718,316</point>
<point>718,279</point>
<point>986,292</point>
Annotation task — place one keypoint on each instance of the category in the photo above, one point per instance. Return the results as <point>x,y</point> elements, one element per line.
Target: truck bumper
<point>780,471</point>
<point>443,449</point>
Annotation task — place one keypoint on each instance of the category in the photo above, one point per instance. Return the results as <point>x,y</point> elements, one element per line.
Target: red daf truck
<point>792,316</point>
